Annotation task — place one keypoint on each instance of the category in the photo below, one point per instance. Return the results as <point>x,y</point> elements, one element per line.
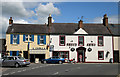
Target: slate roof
<point>58,28</point>
<point>70,28</point>
<point>28,28</point>
<point>115,29</point>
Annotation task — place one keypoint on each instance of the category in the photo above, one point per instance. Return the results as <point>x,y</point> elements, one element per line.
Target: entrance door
<point>32,57</point>
<point>116,56</point>
<point>81,56</point>
<point>25,53</point>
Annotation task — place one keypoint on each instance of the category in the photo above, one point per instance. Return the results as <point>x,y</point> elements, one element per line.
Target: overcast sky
<point>62,12</point>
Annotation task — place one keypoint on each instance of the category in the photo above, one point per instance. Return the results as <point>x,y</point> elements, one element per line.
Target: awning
<point>38,51</point>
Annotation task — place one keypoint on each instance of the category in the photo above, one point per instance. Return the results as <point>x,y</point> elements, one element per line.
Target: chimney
<point>105,20</point>
<point>10,21</point>
<point>80,25</point>
<point>49,20</point>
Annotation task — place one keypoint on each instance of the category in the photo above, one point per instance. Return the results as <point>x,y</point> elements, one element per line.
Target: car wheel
<point>60,62</point>
<point>44,62</point>
<point>16,65</point>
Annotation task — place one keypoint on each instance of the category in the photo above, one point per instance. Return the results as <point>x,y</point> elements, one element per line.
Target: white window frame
<point>41,39</point>
<point>26,37</point>
<point>14,39</point>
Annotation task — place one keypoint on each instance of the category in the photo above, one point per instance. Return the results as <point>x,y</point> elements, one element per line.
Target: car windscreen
<point>22,58</point>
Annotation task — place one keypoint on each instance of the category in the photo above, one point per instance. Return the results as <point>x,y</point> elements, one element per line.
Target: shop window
<point>61,54</point>
<point>100,55</point>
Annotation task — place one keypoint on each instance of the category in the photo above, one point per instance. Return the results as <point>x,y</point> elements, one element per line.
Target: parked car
<point>53,59</point>
<point>15,61</point>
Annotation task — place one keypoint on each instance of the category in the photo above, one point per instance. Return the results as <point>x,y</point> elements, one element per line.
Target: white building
<point>93,41</point>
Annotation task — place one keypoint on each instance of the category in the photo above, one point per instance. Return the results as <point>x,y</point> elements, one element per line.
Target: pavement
<point>64,69</point>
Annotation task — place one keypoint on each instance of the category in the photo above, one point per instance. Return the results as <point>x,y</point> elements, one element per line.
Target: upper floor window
<point>62,40</point>
<point>28,37</point>
<point>41,39</point>
<point>100,55</point>
<point>81,40</point>
<point>14,39</point>
<point>100,40</point>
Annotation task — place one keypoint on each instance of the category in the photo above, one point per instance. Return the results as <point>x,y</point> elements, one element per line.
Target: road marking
<point>12,72</point>
<point>6,74</point>
<point>24,70</point>
<point>56,73</point>
<point>33,68</point>
<point>19,71</point>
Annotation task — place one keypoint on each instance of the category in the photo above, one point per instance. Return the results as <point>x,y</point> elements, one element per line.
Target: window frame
<point>60,40</point>
<point>15,38</point>
<point>78,40</point>
<point>98,55</point>
<point>26,36</point>
<point>102,41</point>
<point>41,39</point>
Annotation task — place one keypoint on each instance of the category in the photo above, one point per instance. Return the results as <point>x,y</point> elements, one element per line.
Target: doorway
<point>81,54</point>
<point>25,54</point>
<point>33,56</point>
<point>116,56</point>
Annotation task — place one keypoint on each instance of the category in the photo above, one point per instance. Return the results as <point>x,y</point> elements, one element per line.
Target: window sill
<point>14,44</point>
<point>27,41</point>
<point>100,59</point>
<point>41,44</point>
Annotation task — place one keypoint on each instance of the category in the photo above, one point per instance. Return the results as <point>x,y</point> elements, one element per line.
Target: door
<point>81,56</point>
<point>25,53</point>
<point>32,57</point>
<point>116,56</point>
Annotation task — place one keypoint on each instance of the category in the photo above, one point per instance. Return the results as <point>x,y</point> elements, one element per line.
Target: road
<point>63,69</point>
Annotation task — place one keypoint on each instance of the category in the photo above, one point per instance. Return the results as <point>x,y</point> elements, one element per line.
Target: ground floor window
<point>100,55</point>
<point>63,54</point>
<point>14,53</point>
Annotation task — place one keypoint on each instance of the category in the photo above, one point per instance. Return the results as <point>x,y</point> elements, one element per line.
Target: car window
<point>22,58</point>
<point>10,58</point>
<point>57,57</point>
<point>53,57</point>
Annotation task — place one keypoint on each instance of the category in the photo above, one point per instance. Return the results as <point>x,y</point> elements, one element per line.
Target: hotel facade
<point>93,42</point>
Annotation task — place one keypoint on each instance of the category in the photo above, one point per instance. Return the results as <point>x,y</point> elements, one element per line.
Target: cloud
<point>111,19</point>
<point>3,27</point>
<point>21,21</point>
<point>42,12</point>
<point>25,12</point>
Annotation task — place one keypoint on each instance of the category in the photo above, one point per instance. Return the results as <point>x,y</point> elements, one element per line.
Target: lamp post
<point>28,50</point>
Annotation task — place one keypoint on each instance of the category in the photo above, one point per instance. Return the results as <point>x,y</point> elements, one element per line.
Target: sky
<point>62,12</point>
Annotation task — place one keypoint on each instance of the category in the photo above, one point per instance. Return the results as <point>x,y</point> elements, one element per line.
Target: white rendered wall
<point>91,56</point>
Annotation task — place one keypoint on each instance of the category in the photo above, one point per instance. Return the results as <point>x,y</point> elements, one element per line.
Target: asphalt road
<point>63,69</point>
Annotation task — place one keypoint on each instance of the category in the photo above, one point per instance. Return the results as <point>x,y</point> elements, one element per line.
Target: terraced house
<point>84,42</point>
<point>27,40</point>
